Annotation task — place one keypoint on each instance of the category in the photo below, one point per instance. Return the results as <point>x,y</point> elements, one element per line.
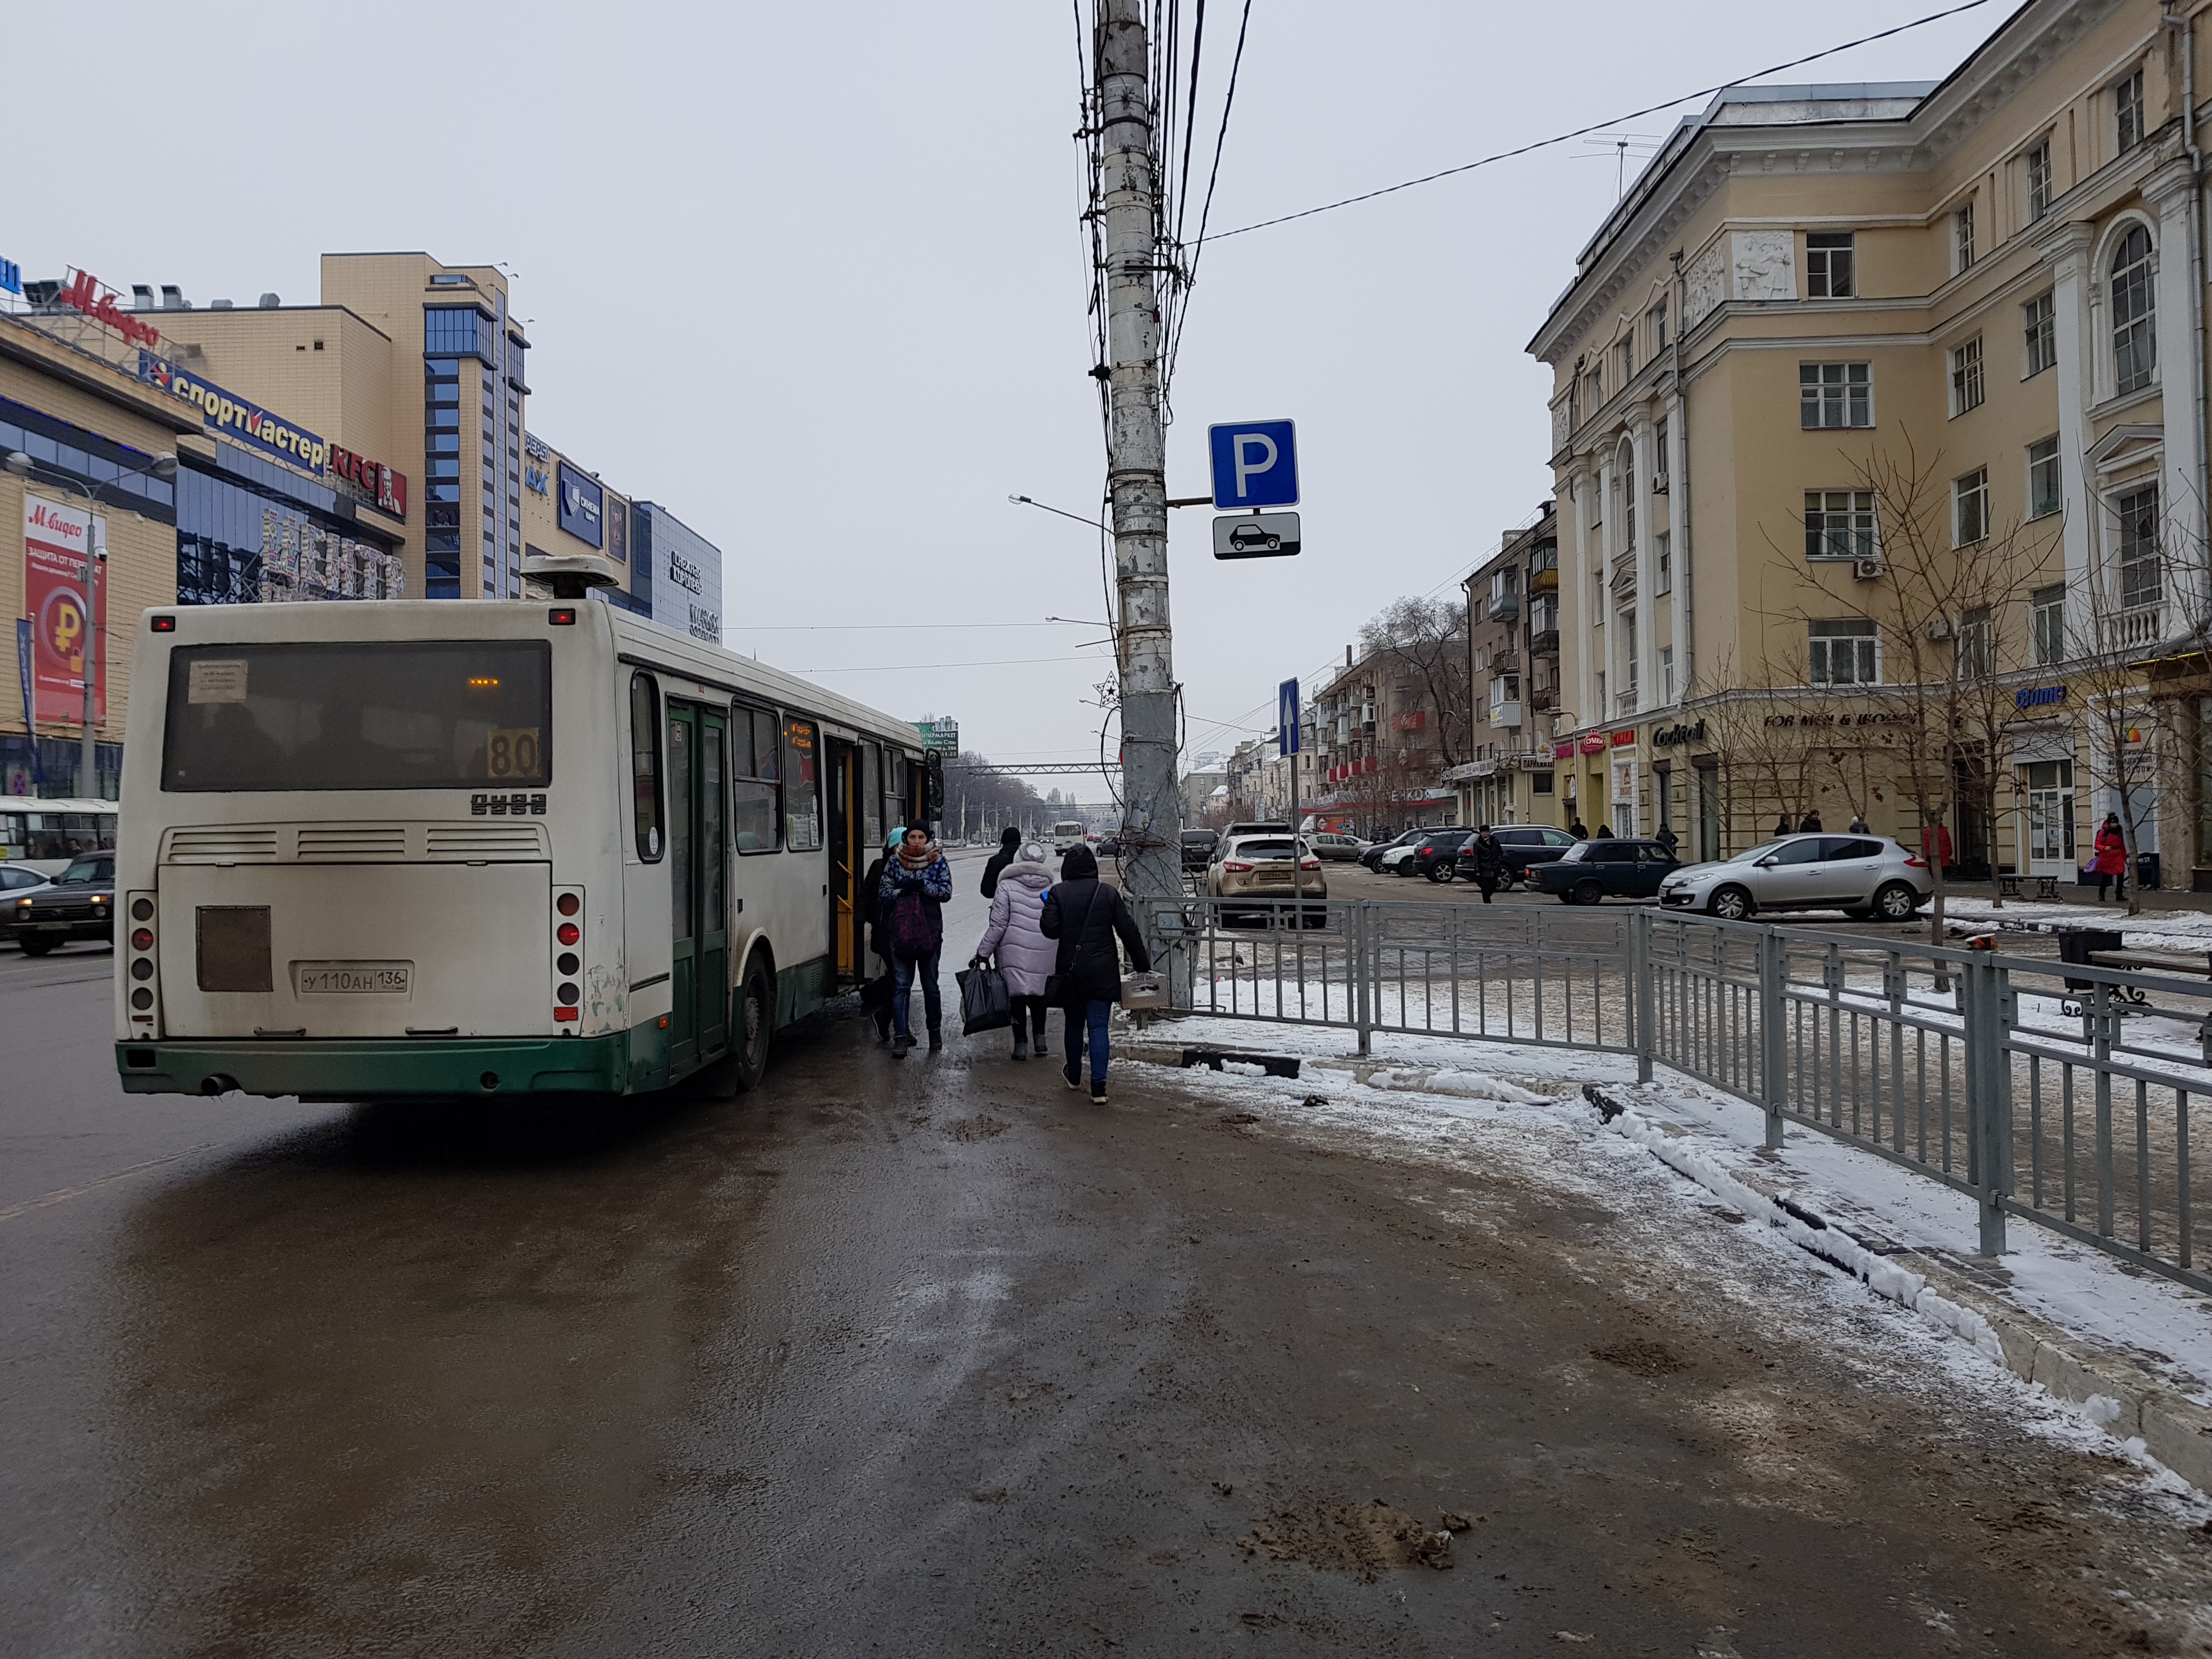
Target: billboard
<point>56,544</point>
<point>230,416</point>
<point>582,506</point>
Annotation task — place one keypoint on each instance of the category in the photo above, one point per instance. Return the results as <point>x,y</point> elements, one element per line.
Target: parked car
<point>1591,871</point>
<point>1270,827</point>
<point>1198,846</point>
<point>1434,855</point>
<point>1520,846</point>
<point>1379,850</point>
<point>80,903</point>
<point>1329,844</point>
<point>1867,878</point>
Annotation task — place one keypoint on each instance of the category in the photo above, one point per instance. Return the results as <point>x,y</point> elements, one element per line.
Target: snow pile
<point>1880,1275</point>
<point>1442,1080</point>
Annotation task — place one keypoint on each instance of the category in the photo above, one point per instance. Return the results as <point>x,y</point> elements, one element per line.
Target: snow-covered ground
<point>1434,1091</point>
<point>2179,929</point>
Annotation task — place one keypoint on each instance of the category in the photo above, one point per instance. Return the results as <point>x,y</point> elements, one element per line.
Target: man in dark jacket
<point>1010,843</point>
<point>1085,915</point>
<point>876,995</point>
<point>1489,861</point>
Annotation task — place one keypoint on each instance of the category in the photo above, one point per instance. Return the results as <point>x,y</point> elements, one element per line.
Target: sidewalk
<point>2133,1353</point>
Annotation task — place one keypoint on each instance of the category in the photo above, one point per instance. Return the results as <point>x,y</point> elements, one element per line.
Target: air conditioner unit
<point>1658,483</point>
<point>1866,570</point>
<point>1939,629</point>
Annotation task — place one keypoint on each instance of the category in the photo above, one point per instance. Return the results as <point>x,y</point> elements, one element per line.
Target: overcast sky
<point>810,276</point>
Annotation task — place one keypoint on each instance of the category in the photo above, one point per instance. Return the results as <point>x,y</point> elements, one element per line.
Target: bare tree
<point>1427,640</point>
<point>1933,658</point>
<point>2140,617</point>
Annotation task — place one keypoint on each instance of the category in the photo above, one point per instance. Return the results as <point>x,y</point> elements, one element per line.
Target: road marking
<point>62,1194</point>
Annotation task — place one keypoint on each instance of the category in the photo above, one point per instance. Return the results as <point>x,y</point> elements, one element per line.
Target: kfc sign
<point>373,480</point>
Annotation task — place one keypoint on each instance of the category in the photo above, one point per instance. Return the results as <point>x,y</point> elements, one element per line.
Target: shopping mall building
<point>371,445</point>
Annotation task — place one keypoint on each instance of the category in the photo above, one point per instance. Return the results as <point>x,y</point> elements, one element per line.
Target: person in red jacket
<point>1936,844</point>
<point>2112,860</point>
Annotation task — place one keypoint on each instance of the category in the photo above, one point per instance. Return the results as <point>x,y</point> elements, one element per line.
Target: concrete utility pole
<point>1136,461</point>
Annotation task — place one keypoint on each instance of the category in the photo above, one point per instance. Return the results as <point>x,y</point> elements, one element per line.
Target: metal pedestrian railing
<point>2058,1092</point>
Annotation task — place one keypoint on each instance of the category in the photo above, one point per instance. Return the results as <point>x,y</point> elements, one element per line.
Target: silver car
<point>1867,878</point>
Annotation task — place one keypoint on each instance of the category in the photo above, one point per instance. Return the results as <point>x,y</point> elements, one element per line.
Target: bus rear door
<point>699,924</point>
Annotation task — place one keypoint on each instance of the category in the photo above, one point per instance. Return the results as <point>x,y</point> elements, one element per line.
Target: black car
<point>81,904</point>
<point>1372,858</point>
<point>1519,846</point>
<point>1108,847</point>
<point>1198,846</point>
<point>1435,854</point>
<point>1612,868</point>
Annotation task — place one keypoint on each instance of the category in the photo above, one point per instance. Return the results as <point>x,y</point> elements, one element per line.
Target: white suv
<point>1867,878</point>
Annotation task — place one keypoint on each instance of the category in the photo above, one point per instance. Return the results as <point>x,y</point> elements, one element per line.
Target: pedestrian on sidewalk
<point>1489,861</point>
<point>2112,863</point>
<point>1668,839</point>
<point>1575,828</point>
<point>1010,842</point>
<point>1085,915</point>
<point>1781,824</point>
<point>1859,824</point>
<point>1809,824</point>
<point>917,885</point>
<point>1015,938</point>
<point>876,994</point>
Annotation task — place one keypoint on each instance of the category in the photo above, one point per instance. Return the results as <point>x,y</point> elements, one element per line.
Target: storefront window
<point>237,545</point>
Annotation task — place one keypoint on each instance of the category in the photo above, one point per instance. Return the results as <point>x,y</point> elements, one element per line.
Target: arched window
<point>2135,314</point>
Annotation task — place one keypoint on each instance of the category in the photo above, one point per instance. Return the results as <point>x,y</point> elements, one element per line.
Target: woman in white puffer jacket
<point>1025,955</point>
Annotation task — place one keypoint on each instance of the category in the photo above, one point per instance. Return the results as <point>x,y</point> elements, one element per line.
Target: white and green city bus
<point>447,848</point>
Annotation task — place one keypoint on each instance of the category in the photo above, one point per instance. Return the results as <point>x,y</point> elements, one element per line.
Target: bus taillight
<point>140,967</point>
<point>568,962</point>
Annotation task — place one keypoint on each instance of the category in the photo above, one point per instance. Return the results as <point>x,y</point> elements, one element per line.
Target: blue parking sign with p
<point>1255,464</point>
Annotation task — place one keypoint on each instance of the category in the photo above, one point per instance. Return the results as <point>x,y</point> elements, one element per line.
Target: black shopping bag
<point>984,1003</point>
<point>877,992</point>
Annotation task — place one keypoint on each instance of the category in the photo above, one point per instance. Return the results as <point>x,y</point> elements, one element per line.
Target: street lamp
<point>162,466</point>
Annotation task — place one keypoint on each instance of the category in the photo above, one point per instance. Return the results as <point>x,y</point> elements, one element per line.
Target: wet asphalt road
<point>924,1357</point>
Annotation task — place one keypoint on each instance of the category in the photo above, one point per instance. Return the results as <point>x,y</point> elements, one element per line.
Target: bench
<point>2046,887</point>
<point>2184,963</point>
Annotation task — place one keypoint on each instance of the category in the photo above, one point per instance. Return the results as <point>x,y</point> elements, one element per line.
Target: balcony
<point>1505,608</point>
<point>1544,644</point>
<point>1624,703</point>
<point>2137,628</point>
<point>1505,714</point>
<point>1544,582</point>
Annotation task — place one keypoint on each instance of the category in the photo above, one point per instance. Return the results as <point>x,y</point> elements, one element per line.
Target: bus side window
<point>644,764</point>
<point>752,785</point>
<point>802,795</point>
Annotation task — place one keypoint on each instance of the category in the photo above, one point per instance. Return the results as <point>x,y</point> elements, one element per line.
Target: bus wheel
<point>754,1023</point>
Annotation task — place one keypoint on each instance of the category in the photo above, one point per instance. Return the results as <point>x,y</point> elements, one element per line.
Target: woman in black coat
<point>1086,915</point>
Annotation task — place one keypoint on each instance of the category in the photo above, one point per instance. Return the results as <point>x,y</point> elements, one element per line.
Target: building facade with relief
<point>1866,385</point>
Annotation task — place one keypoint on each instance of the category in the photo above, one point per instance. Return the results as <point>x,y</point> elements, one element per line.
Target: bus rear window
<point>403,715</point>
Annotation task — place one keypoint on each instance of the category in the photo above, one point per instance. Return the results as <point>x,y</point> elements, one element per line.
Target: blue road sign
<point>1287,718</point>
<point>1255,464</point>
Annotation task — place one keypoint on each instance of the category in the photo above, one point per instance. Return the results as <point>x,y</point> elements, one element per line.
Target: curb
<point>2124,1398</point>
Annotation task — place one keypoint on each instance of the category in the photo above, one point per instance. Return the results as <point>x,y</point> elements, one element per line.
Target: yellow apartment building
<point>1862,388</point>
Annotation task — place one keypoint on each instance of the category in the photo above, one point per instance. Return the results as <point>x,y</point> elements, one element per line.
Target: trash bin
<point>2075,945</point>
<point>2146,872</point>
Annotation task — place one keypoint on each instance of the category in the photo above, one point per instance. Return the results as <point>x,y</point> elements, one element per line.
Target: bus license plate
<point>353,978</point>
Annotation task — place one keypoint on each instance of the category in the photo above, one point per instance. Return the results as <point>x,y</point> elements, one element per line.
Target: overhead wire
<point>1598,126</point>
<point>1189,275</point>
